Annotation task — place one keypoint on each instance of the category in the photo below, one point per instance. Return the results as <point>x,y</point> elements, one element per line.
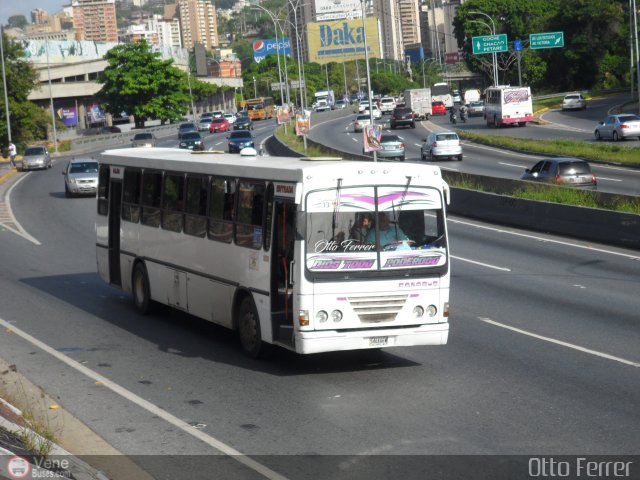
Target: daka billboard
<point>262,48</point>
<point>338,40</point>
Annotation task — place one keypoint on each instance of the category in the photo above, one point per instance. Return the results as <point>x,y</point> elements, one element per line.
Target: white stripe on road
<point>21,231</point>
<point>504,269</point>
<point>148,406</point>
<point>543,239</point>
<point>561,343</point>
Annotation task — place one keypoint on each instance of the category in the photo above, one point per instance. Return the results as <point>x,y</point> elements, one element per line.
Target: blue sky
<point>24,7</point>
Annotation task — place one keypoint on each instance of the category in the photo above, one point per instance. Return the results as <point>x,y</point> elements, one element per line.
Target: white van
<point>471,95</point>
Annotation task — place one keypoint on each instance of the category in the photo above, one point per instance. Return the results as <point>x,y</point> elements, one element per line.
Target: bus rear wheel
<point>249,330</point>
<point>141,290</point>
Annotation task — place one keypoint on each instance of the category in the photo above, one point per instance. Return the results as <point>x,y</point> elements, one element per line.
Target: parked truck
<point>419,101</point>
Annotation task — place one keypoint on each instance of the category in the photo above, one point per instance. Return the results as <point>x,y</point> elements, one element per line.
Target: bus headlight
<point>418,311</point>
<point>336,315</point>
<point>432,310</point>
<point>322,316</point>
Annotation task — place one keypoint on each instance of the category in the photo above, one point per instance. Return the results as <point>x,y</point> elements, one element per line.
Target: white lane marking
<point>543,239</point>
<point>21,231</point>
<point>503,152</point>
<point>561,343</point>
<point>148,406</point>
<point>504,269</point>
<point>622,169</point>
<point>354,139</point>
<point>418,144</point>
<point>510,165</point>
<point>609,179</point>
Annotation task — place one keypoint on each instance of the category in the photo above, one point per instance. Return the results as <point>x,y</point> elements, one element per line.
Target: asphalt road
<point>481,159</point>
<point>542,359</point>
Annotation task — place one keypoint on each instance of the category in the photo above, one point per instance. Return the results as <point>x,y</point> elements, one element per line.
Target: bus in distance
<point>261,108</point>
<point>506,105</point>
<point>311,256</point>
<point>441,92</point>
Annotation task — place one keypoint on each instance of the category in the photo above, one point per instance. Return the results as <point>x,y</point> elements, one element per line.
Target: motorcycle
<point>453,118</point>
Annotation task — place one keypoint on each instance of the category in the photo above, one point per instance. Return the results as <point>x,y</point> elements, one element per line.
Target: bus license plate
<point>378,341</point>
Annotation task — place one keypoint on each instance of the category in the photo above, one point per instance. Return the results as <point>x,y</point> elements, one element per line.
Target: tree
<point>138,82</point>
<point>28,121</point>
<point>17,21</point>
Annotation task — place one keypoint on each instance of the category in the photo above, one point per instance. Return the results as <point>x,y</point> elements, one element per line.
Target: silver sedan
<point>36,157</point>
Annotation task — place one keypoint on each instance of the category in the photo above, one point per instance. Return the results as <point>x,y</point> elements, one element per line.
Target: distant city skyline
<point>24,7</point>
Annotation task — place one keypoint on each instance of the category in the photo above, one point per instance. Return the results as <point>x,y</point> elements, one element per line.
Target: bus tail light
<point>445,310</point>
<point>336,316</point>
<point>418,311</point>
<point>432,310</point>
<point>303,318</point>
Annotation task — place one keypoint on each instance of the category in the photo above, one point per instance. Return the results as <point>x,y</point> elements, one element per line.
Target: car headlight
<point>73,181</point>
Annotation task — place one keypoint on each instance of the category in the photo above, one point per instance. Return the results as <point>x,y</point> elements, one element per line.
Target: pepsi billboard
<point>262,48</point>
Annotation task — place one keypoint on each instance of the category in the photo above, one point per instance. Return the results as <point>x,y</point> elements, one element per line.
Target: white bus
<point>272,247</point>
<point>506,105</point>
<point>441,92</point>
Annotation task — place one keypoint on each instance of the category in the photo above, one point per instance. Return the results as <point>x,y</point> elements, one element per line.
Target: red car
<point>219,125</point>
<point>438,108</point>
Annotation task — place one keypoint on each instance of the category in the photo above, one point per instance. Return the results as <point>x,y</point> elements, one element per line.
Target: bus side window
<point>103,190</point>
<point>195,219</point>
<point>131,196</point>
<point>173,202</point>
<point>150,199</point>
<point>222,200</point>
<point>249,226</point>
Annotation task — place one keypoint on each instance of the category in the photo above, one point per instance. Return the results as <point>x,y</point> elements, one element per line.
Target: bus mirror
<point>447,193</point>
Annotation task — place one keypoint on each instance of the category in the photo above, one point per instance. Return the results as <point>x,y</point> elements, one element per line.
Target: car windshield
<point>441,137</point>
<point>362,229</point>
<point>475,104</point>
<point>403,111</point>
<point>437,104</point>
<point>34,151</point>
<point>572,97</point>
<point>389,139</point>
<point>574,168</point>
<point>187,126</point>
<point>191,136</point>
<point>628,118</point>
<point>84,167</point>
<point>363,117</point>
<point>218,120</point>
<point>143,136</point>
<point>239,135</point>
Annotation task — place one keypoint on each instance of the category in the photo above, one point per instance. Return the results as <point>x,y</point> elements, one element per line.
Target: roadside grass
<point>36,434</point>
<point>561,148</point>
<point>296,143</point>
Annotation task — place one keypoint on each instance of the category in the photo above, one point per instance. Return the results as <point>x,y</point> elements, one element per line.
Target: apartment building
<point>95,20</point>
<point>198,23</point>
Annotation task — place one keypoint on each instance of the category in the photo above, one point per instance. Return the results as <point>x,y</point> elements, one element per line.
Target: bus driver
<point>387,234</point>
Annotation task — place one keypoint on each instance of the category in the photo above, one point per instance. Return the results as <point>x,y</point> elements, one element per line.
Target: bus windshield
<point>375,228</point>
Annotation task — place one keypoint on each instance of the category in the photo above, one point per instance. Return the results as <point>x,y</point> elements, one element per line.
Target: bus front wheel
<point>141,290</point>
<point>249,330</point>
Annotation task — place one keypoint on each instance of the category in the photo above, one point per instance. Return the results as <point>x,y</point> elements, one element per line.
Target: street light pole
<point>4,82</point>
<point>275,27</point>
<point>366,59</point>
<point>493,32</point>
<point>53,115</point>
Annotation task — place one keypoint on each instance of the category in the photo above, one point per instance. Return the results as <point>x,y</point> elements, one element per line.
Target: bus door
<point>115,205</point>
<point>282,265</point>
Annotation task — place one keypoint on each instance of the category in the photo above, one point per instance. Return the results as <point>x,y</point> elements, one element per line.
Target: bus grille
<point>377,309</point>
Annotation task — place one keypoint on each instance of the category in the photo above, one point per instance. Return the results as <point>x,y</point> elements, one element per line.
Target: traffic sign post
<point>489,44</point>
<point>546,40</point>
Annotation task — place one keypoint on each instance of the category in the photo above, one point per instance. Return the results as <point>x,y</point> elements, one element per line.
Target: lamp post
<point>275,27</point>
<point>492,28</point>
<point>193,110</point>
<point>255,88</point>
<point>295,26</point>
<point>53,115</point>
<point>4,82</point>
<point>366,59</point>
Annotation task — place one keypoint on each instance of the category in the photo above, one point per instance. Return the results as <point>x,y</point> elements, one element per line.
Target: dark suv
<point>568,171</point>
<point>402,117</point>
